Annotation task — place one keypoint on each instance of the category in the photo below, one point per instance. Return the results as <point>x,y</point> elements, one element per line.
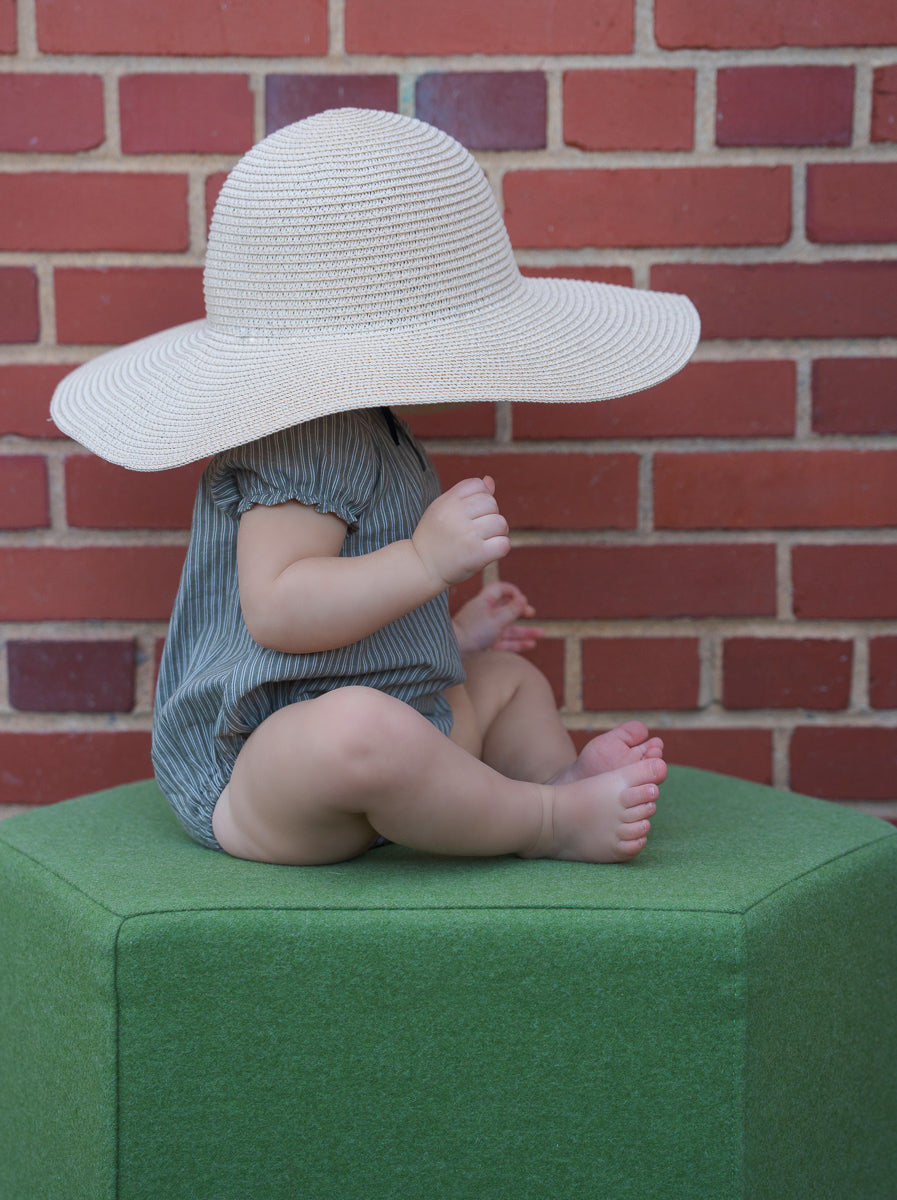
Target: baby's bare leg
<point>523,736</point>
<point>602,799</point>
<point>317,781</point>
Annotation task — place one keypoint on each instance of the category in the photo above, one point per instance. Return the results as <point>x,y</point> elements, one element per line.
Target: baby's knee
<point>500,665</point>
<point>363,726</point>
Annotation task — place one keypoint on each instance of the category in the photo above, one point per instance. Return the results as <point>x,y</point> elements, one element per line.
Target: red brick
<point>789,489</point>
<point>644,109</point>
<point>290,98</point>
<point>852,202</point>
<point>110,305</point>
<point>638,674</point>
<point>8,27</point>
<point>809,673</point>
<point>718,24</point>
<point>49,114</point>
<point>99,210</point>
<point>845,763</point>
<point>19,320</point>
<point>485,110</point>
<point>707,399</point>
<point>25,391</point>
<point>555,491</point>
<point>855,395</point>
<point>128,583</point>
<point>41,768</point>
<point>203,27</point>
<point>450,420</point>
<point>100,495</point>
<point>172,114</point>
<point>679,206</point>
<point>619,276</point>
<point>629,582</point>
<point>23,488</point>
<point>743,753</point>
<point>845,582</point>
<point>502,27</point>
<point>787,300</point>
<point>883,672</point>
<point>884,104</point>
<point>784,106</point>
<point>71,676</point>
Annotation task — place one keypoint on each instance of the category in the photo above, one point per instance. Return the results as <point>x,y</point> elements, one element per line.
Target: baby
<point>315,697</point>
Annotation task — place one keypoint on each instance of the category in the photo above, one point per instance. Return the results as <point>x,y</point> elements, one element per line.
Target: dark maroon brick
<point>784,106</point>
<point>486,110</point>
<point>290,98</point>
<point>71,676</point>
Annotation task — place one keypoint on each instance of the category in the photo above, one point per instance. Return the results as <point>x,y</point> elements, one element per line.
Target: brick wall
<point>717,554</point>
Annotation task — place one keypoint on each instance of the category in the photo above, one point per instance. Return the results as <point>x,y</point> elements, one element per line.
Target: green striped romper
<point>216,684</point>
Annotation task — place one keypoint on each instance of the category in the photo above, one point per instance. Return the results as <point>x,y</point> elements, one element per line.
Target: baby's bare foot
<point>602,818</point>
<point>628,743</point>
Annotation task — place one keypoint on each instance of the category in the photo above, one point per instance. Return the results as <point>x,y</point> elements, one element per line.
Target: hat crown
<point>354,219</point>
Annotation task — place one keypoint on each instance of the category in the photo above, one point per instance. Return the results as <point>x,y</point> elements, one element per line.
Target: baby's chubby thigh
<point>466,731</point>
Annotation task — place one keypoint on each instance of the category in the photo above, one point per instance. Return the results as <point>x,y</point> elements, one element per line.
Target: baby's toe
<point>634,831</point>
<point>628,848</point>
<point>639,812</point>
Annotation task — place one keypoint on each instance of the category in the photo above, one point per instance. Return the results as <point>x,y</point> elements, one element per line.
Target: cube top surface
<point>717,845</point>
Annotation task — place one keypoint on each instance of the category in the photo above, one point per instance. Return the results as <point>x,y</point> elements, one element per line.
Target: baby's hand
<point>488,620</point>
<point>461,532</point>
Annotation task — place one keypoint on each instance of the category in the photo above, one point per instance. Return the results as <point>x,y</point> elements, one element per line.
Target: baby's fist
<point>462,531</point>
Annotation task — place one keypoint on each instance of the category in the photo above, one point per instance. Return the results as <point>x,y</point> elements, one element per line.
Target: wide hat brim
<point>191,391</point>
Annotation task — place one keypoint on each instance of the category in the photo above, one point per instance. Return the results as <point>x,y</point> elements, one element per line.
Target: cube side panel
<point>413,1053</point>
<point>821,1039</point>
<point>57,1037</point>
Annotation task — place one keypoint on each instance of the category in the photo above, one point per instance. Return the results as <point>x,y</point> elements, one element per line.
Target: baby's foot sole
<point>620,747</point>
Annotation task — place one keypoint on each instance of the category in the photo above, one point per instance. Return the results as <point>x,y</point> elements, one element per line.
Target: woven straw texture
<point>358,258</point>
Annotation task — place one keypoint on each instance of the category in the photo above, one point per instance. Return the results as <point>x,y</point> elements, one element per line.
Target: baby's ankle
<point>542,845</point>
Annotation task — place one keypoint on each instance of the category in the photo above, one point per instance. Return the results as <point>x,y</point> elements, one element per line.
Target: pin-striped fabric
<point>216,684</point>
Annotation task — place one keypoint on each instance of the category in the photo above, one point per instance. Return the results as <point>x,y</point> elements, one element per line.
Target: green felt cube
<point>715,1019</point>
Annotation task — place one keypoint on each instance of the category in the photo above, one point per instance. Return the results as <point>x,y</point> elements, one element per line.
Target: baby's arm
<point>488,621</point>
<point>299,596</point>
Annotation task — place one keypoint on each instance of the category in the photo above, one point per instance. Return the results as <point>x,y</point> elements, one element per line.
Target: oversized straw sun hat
<point>356,259</point>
